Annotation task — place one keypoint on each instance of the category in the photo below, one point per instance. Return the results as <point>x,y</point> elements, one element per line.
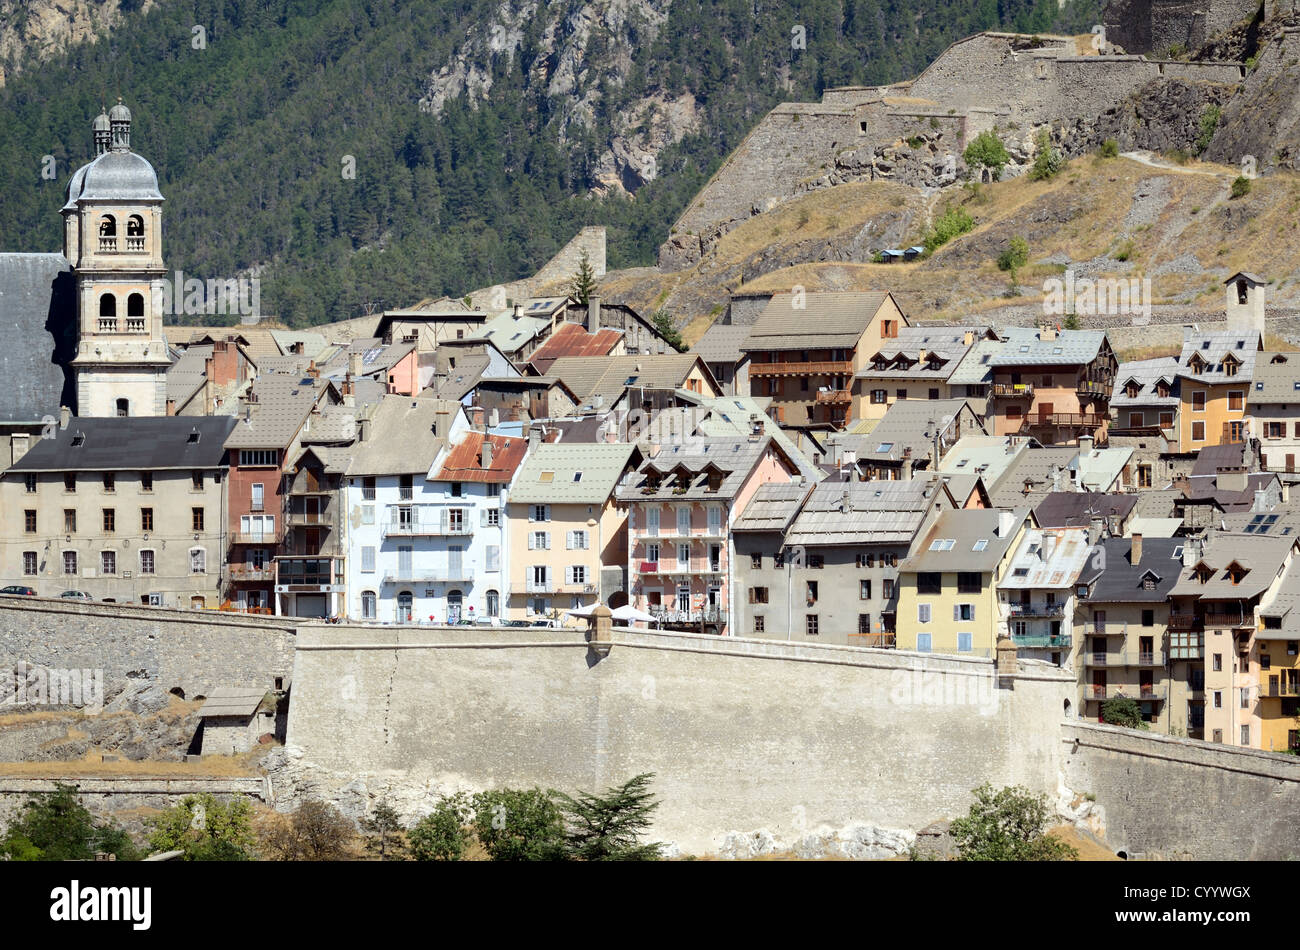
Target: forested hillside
<point>251,135</point>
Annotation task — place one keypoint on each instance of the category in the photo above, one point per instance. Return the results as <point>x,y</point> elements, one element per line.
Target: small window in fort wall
<point>862,127</point>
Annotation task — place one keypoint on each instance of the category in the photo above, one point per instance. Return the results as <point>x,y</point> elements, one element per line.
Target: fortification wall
<point>1154,26</point>
<point>1170,798</point>
<point>191,649</point>
<point>109,796</point>
<point>741,734</point>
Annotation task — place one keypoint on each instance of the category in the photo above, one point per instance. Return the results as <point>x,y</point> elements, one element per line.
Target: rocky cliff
<point>32,31</point>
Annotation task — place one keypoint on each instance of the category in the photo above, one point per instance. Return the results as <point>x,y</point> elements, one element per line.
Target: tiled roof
<point>824,320</point>
<point>1146,374</point>
<point>401,438</point>
<point>975,368</point>
<point>464,463</point>
<point>1069,347</point>
<point>976,544</point>
<point>722,343</point>
<point>571,473</point>
<point>283,403</point>
<point>944,348</point>
<point>908,427</point>
<point>571,339</point>
<point>1276,379</point>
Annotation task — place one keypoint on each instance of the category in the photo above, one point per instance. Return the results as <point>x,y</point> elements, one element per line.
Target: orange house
<point>1215,372</point>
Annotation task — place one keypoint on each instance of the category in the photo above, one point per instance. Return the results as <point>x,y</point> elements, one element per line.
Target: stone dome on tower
<point>116,173</point>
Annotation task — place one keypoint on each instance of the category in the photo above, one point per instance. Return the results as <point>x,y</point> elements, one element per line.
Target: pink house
<point>681,503</point>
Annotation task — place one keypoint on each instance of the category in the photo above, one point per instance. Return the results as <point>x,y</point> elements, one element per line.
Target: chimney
<point>534,437</point>
<point>518,310</point>
<point>845,504</point>
<point>1191,552</point>
<point>1261,500</point>
<point>1094,530</point>
<point>968,338</point>
<point>171,407</point>
<point>593,313</point>
<point>442,424</point>
<point>1232,480</point>
<point>1135,553</point>
<point>1085,445</point>
<point>1056,477</point>
<point>312,370</point>
<point>476,418</point>
<point>1047,333</point>
<point>65,415</point>
<point>363,429</point>
<point>487,453</point>
<point>1006,523</point>
<point>354,365</point>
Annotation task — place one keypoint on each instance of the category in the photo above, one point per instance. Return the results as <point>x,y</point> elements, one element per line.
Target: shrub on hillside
<point>1048,162</point>
<point>1240,186</point>
<point>1015,256</point>
<point>987,151</point>
<point>1109,148</point>
<point>1008,825</point>
<point>951,224</point>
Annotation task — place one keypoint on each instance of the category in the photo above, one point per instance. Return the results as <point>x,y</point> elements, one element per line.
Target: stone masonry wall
<point>1179,798</point>
<point>193,650</point>
<point>742,735</point>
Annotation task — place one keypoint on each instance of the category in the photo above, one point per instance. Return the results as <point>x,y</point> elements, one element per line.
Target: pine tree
<point>609,827</point>
<point>385,836</point>
<point>583,283</point>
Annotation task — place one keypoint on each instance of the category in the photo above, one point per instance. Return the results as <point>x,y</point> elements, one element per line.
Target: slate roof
<point>549,475</point>
<point>257,341</point>
<point>312,343</point>
<point>1275,381</point>
<point>976,367</point>
<point>464,462</point>
<point>731,416</point>
<point>1035,465</point>
<point>188,374</point>
<point>733,458</point>
<point>1065,509</point>
<point>1070,347</point>
<point>147,443</point>
<point>944,346</point>
<point>1114,578</point>
<point>826,320</point>
<point>1049,558</point>
<point>38,319</point>
<point>1210,459</point>
<point>772,507</point>
<point>877,512</point>
<point>1261,556</point>
<point>983,455</point>
<point>1243,344</point>
<point>1146,373</point>
<point>722,343</point>
<point>114,176</point>
<point>283,403</point>
<point>1206,488</point>
<point>571,339</point>
<point>609,377</point>
<point>400,440</point>
<point>966,528</point>
<point>909,424</point>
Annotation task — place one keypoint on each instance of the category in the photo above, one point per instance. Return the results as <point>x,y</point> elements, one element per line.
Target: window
<point>492,517</point>
<point>196,481</point>
<point>900,393</point>
<point>69,482</point>
<point>257,457</point>
<point>69,562</point>
<point>864,590</point>
<point>110,520</point>
<point>29,520</point>
<point>887,586</point>
<point>1218,662</point>
<point>810,625</point>
<point>368,492</point>
<point>492,603</point>
<point>367,514</point>
<point>258,496</point>
<point>964,642</point>
<point>196,519</point>
<point>110,482</point>
<point>539,540</point>
<point>923,643</point>
<point>1198,431</point>
<point>934,394</point>
<point>368,559</point>
<point>879,396</point>
<point>108,562</point>
<point>369,604</point>
<point>963,612</point>
<point>756,561</point>
<point>758,623</point>
<point>816,561</point>
<point>29,563</point>
<point>577,574</point>
<point>146,481</point>
<point>969,582</point>
<point>198,561</point>
<point>1218,699</point>
<point>922,613</point>
<point>70,521</point>
<point>778,559</point>
<point>929,582</point>
<point>864,623</point>
<point>405,487</point>
<point>543,513</point>
<point>1245,698</point>
<point>1245,735</point>
<point>146,561</point>
<point>1144,476</point>
<point>811,592</point>
<point>30,482</point>
<point>1198,400</point>
<point>1236,400</point>
<point>758,595</point>
<point>577,541</point>
<point>146,519</point>
<point>492,555</point>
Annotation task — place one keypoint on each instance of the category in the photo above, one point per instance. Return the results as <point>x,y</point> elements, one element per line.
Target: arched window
<point>135,233</point>
<point>108,233</point>
<point>493,604</point>
<point>455,599</point>
<point>405,603</point>
<point>368,605</point>
<point>123,407</point>
<point>135,305</point>
<point>107,305</point>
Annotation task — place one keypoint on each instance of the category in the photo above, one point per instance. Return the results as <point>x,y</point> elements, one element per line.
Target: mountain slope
<point>478,135</point>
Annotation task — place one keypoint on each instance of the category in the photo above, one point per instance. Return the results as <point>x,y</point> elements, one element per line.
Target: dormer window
<point>1162,388</point>
<point>1230,366</point>
<point>1236,573</point>
<point>1131,390</point>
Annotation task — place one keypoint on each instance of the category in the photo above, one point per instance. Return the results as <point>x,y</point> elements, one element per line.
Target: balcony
<point>1045,642</point>
<point>308,518</point>
<point>1036,610</point>
<point>698,615</point>
<point>108,245</point>
<point>135,245</point>
<point>533,587</point>
<point>1125,658</point>
<point>1181,622</point>
<point>834,397</point>
<point>1234,620</point>
<point>430,575</point>
<point>246,573</point>
<point>427,529</point>
<point>678,569</point>
<point>1106,628</point>
<point>1092,388</point>
<point>308,572</point>
<point>1276,688</point>
<point>823,368</point>
<point>1062,420</point>
<point>570,589</point>
<point>270,536</point>
<point>1013,391</point>
<point>881,641</point>
<point>135,324</point>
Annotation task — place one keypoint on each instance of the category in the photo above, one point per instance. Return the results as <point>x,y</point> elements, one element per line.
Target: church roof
<point>38,321</point>
<point>114,176</point>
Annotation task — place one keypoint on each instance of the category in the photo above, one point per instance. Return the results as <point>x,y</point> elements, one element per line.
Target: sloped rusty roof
<point>464,463</point>
<point>571,339</point>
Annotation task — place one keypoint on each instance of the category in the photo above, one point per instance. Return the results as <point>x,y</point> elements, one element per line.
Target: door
<point>405,604</point>
<point>1290,463</point>
<point>310,605</point>
<point>1099,621</point>
<point>455,554</point>
<point>454,601</point>
<point>1099,687</point>
<point>1045,412</point>
<point>404,561</point>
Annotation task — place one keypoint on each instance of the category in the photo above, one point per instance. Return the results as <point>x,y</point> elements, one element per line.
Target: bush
<point>514,825</point>
<point>1008,826</point>
<point>987,151</point>
<point>916,141</point>
<point>315,832</point>
<point>443,834</point>
<point>1122,711</point>
<point>1109,148</point>
<point>951,224</point>
<point>1015,256</point>
<point>1240,186</point>
<point>1125,251</point>
<point>1048,161</point>
<point>205,829</point>
<point>1209,123</point>
<point>55,826</point>
<point>609,827</point>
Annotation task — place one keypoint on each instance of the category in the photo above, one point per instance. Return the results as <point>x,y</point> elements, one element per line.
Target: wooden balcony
<point>820,368</point>
<point>1063,420</point>
<point>835,397</point>
<point>1093,389</point>
<point>1013,391</point>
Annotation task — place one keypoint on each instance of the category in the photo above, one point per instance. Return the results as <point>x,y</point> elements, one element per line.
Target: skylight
<point>980,545</point>
<point>885,447</point>
<point>1056,349</point>
<point>942,544</point>
<point>577,476</point>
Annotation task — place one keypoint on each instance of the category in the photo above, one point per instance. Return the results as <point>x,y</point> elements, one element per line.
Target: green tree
<point>55,826</point>
<point>1240,186</point>
<point>1071,322</point>
<point>987,151</point>
<point>951,224</point>
<point>205,828</point>
<point>1048,161</point>
<point>1123,711</point>
<point>609,827</point>
<point>1015,256</point>
<point>385,836</point>
<point>1008,825</point>
<point>1208,124</point>
<point>583,282</point>
<point>519,825</point>
<point>443,834</point>
<point>314,832</point>
<point>663,322</point>
<point>1109,148</point>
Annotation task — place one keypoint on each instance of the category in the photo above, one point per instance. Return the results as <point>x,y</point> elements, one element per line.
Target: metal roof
<point>874,512</point>
<point>1213,349</point>
<point>464,462</point>
<point>575,473</point>
<point>823,320</point>
<point>115,443</point>
<point>1068,347</point>
<point>572,339</point>
<point>772,507</point>
<point>232,701</point>
<point>1047,558</point>
<point>1146,374</point>
<point>1067,509</point>
<point>38,317</point>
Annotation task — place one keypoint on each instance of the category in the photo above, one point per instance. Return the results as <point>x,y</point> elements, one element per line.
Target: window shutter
<point>546,541</point>
<point>972,611</point>
<point>531,511</point>
<point>568,575</point>
<point>956,611</point>
<point>568,540</point>
<point>532,541</point>
<point>482,517</point>
<point>548,512</point>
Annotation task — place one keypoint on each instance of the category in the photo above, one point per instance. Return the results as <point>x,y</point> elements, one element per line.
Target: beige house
<point>129,509</point>
<point>568,540</point>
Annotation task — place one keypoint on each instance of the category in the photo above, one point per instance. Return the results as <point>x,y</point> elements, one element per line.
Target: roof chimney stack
<point>593,313</point>
<point>1006,523</point>
<point>1135,553</point>
<point>487,453</point>
<point>65,416</point>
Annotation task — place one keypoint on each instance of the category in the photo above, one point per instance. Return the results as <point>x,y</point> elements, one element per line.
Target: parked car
<point>76,595</point>
<point>518,623</point>
<point>17,590</point>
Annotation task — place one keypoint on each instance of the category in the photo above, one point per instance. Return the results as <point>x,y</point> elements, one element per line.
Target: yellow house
<point>567,546</point>
<point>916,364</point>
<point>947,596</point>
<point>1215,372</point>
<point>1277,653</point>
